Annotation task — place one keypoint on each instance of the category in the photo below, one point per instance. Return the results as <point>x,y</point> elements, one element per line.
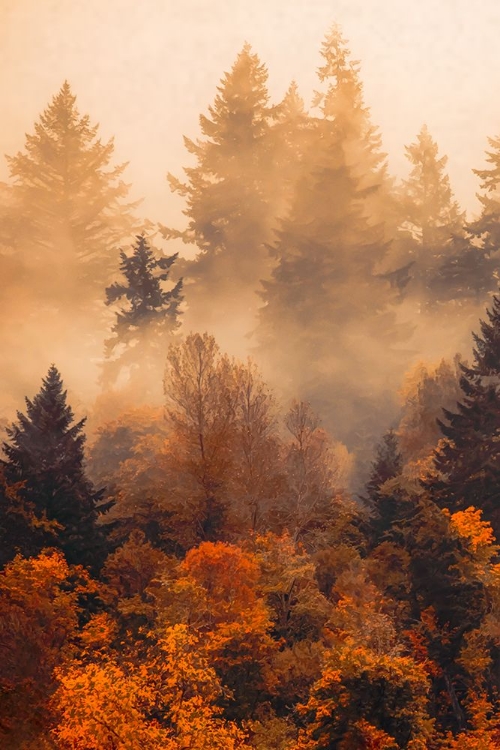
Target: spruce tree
<point>326,293</point>
<point>72,203</point>
<point>144,327</point>
<point>383,501</point>
<point>45,460</point>
<point>487,227</point>
<point>468,462</point>
<point>449,267</point>
<point>430,216</point>
<point>227,197</point>
<point>289,142</point>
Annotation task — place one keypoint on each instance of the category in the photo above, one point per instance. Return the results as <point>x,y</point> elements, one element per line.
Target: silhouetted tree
<point>45,454</point>
<point>383,500</point>
<point>144,327</point>
<point>468,462</point>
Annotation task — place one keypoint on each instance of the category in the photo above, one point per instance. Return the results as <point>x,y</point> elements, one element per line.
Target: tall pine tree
<point>228,198</point>
<point>448,267</point>
<point>382,500</point>
<point>430,216</point>
<point>72,202</point>
<point>145,325</point>
<point>327,301</point>
<point>487,226</point>
<point>468,462</point>
<point>45,461</point>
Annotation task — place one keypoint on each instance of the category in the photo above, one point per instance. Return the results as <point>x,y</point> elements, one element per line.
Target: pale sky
<point>146,69</point>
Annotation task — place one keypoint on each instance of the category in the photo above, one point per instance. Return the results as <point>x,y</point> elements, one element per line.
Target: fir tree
<point>144,327</point>
<point>342,103</point>
<point>227,195</point>
<point>72,204</point>
<point>487,227</point>
<point>448,265</point>
<point>326,292</point>
<point>430,211</point>
<point>290,140</point>
<point>382,500</point>
<point>45,459</point>
<point>468,462</point>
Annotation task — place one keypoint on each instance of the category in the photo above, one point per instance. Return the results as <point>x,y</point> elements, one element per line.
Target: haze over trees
<point>293,550</point>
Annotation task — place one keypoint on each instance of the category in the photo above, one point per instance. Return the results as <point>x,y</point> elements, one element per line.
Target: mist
<point>296,246</point>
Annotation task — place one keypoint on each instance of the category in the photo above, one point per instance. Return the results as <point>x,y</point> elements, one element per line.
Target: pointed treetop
<point>487,345</point>
<point>48,409</point>
<point>431,210</point>
<point>336,55</point>
<point>292,104</point>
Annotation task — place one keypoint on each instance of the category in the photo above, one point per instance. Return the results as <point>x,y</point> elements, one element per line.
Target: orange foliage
<point>38,628</point>
<point>166,703</point>
<point>468,524</point>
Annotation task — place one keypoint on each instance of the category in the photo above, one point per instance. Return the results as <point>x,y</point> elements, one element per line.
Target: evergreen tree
<point>468,462</point>
<point>290,139</point>
<point>447,264</point>
<point>144,327</point>
<point>72,205</point>
<point>227,197</point>
<point>431,217</point>
<point>326,292</point>
<point>45,454</point>
<point>382,500</point>
<point>487,227</point>
<point>430,211</point>
<point>447,595</point>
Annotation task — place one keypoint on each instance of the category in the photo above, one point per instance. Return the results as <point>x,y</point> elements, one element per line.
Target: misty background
<point>145,75</point>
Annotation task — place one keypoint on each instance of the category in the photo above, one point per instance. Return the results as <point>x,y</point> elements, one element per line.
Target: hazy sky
<point>146,69</point>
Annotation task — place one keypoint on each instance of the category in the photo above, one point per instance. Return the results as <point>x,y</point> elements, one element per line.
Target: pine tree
<point>289,142</point>
<point>71,201</point>
<point>145,327</point>
<point>227,201</point>
<point>45,454</point>
<point>327,293</point>
<point>430,211</point>
<point>468,462</point>
<point>448,265</point>
<point>382,500</point>
<point>487,227</point>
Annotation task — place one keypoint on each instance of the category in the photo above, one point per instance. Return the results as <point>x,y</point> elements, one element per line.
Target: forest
<point>250,466</point>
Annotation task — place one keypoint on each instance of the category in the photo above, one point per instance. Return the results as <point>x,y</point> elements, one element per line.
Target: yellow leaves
<point>475,655</point>
<point>38,627</point>
<point>98,633</point>
<point>468,524</point>
<point>388,690</point>
<point>110,706</point>
<point>485,731</point>
<point>103,708</point>
<point>369,737</point>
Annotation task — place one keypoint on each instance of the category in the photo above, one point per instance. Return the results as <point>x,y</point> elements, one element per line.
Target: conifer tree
<point>430,210</point>
<point>327,293</point>
<point>72,204</point>
<point>382,500</point>
<point>45,454</point>
<point>290,139</point>
<point>447,264</point>
<point>227,203</point>
<point>468,462</point>
<point>487,227</point>
<point>145,326</point>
